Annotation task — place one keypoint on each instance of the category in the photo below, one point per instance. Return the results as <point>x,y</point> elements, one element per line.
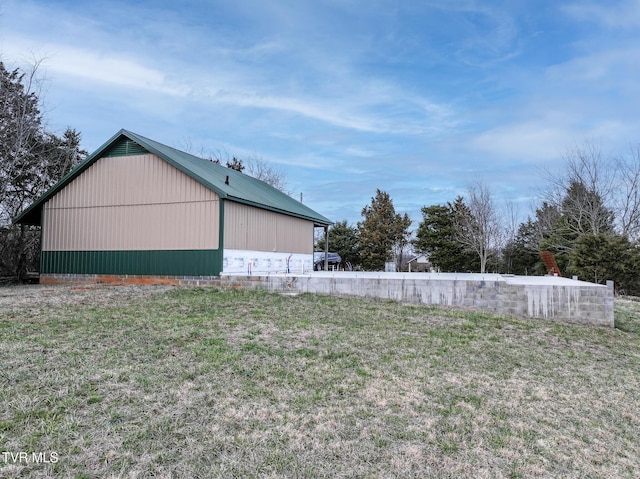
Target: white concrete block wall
<point>544,298</point>
<point>247,262</point>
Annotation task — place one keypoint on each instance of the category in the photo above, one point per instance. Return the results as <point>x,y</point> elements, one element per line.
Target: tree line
<point>588,217</point>
<point>32,159</point>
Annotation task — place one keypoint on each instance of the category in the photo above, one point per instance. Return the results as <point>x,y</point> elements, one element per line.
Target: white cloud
<point>609,68</point>
<point>529,141</point>
<point>612,14</point>
<point>326,112</point>
<point>545,139</point>
<point>93,67</point>
<point>261,71</point>
<point>423,90</point>
<point>366,111</point>
<point>114,70</point>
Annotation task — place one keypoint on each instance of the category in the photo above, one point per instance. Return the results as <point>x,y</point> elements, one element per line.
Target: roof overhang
<point>188,164</point>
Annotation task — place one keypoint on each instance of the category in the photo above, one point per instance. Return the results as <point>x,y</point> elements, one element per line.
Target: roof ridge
<point>224,181</point>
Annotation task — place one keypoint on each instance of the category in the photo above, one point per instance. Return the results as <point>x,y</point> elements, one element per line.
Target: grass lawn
<point>213,383</point>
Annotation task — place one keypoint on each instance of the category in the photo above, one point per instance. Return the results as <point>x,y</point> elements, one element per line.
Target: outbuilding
<point>136,207</point>
<point>419,263</point>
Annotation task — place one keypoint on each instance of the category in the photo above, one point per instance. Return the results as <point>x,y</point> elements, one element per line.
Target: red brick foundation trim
<point>112,279</point>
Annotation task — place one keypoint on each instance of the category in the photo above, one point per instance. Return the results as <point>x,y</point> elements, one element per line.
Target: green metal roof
<point>239,187</point>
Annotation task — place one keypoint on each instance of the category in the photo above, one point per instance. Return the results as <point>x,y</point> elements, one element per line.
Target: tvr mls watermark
<point>29,457</point>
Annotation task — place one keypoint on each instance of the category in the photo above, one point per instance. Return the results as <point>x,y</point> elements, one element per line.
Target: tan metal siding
<point>250,228</point>
<point>131,203</point>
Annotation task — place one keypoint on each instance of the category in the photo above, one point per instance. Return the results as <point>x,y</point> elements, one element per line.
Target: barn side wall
<point>247,228</point>
<point>132,215</point>
<point>262,241</point>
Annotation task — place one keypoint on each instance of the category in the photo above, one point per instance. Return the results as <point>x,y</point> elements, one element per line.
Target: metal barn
<point>138,207</point>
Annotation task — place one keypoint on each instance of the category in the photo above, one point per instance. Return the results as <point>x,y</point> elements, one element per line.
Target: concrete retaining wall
<point>545,298</point>
<point>540,297</point>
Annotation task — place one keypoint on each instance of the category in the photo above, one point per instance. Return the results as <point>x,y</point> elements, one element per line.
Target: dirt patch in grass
<point>169,382</point>
<point>16,297</point>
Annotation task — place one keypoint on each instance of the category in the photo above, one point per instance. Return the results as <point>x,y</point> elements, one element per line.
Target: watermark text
<point>23,457</point>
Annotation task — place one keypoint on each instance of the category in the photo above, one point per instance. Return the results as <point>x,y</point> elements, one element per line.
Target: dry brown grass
<point>167,382</point>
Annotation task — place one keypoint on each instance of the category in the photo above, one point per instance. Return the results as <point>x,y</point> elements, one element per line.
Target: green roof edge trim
<point>26,216</point>
<point>239,188</point>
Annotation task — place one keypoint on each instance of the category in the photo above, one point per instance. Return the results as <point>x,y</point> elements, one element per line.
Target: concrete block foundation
<point>538,297</point>
<point>545,298</point>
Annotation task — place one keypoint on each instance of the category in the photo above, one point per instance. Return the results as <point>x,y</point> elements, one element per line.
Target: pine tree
<point>343,239</point>
<point>437,237</point>
<point>380,230</point>
<point>598,258</point>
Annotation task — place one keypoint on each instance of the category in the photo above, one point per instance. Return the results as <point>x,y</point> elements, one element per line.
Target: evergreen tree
<point>20,139</point>
<point>521,255</point>
<point>343,239</point>
<point>380,230</point>
<point>585,212</point>
<point>580,212</point>
<point>598,258</point>
<point>437,238</point>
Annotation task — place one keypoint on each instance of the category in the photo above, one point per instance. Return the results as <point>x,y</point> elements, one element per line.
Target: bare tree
<point>480,229</point>
<point>590,186</point>
<point>20,129</point>
<point>627,200</point>
<point>403,239</point>
<point>261,170</point>
<point>509,234</point>
<point>31,161</point>
<point>595,195</point>
<point>252,165</point>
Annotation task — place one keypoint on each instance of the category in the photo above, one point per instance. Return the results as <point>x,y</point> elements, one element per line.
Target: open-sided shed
<point>138,207</point>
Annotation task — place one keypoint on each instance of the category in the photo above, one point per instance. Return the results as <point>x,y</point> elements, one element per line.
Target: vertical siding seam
<point>249,228</point>
<point>113,221</point>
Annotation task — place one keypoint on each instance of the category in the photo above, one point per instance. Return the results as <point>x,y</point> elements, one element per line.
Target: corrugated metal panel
<point>240,188</point>
<point>175,263</point>
<point>132,203</point>
<point>133,180</point>
<point>249,228</point>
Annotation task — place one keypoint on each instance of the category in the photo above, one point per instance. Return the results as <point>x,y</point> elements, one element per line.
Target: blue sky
<point>417,98</point>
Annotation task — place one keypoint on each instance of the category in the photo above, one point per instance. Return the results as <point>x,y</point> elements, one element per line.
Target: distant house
<point>419,263</point>
<point>138,207</point>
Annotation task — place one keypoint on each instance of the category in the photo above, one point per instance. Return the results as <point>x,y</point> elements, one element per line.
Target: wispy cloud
<point>609,68</point>
<point>333,93</point>
<point>112,69</point>
<point>612,14</point>
<point>344,112</point>
<point>527,141</point>
<point>411,97</point>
